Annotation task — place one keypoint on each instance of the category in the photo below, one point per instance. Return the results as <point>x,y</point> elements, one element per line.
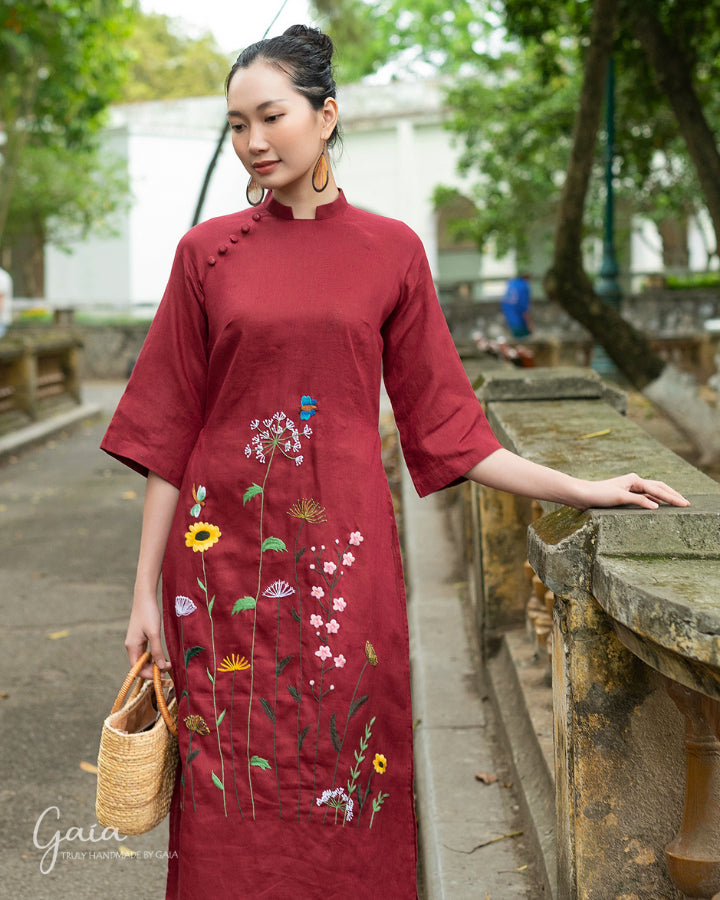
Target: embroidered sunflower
<point>308,510</point>
<point>196,724</point>
<point>380,764</point>
<point>233,663</point>
<point>202,536</point>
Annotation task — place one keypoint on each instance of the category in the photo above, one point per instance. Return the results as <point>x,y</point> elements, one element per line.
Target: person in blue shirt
<point>516,305</point>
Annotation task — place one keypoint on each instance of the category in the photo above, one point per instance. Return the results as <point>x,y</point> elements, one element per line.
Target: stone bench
<point>635,640</point>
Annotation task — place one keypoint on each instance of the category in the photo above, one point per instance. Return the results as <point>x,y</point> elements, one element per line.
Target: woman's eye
<point>237,128</point>
<point>274,118</point>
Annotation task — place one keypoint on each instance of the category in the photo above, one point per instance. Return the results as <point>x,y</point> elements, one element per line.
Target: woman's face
<point>276,133</point>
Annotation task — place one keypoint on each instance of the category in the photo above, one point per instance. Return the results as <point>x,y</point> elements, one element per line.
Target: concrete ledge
<point>40,431</point>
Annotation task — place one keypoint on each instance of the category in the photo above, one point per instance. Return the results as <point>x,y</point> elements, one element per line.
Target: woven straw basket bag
<point>138,755</point>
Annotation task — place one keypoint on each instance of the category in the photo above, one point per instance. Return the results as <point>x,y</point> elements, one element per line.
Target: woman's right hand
<point>143,631</point>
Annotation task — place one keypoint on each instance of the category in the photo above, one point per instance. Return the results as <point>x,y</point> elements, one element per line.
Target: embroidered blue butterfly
<point>308,407</point>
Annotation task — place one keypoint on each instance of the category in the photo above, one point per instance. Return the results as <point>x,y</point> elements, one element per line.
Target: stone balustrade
<point>634,644</point>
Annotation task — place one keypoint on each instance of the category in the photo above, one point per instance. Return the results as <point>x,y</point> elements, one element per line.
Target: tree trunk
<point>566,282</point>
<point>674,74</point>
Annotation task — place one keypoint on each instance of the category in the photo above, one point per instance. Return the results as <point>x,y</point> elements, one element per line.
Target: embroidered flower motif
<point>348,559</point>
<point>278,589</point>
<point>308,407</point>
<point>309,510</point>
<point>323,652</point>
<point>370,654</point>
<point>233,663</point>
<point>356,538</point>
<point>338,800</point>
<point>277,433</point>
<point>332,626</point>
<point>318,593</point>
<point>199,498</point>
<point>339,604</point>
<point>329,568</point>
<point>202,536</point>
<point>184,606</point>
<point>380,764</point>
<point>316,621</point>
<point>196,724</point>
<point>339,661</point>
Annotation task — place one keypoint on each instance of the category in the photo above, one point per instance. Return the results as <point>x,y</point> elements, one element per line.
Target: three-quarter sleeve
<point>443,429</point>
<point>161,413</point>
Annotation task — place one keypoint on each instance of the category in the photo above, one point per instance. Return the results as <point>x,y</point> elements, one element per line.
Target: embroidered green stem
<point>359,759</point>
<point>274,723</point>
<point>300,689</point>
<point>363,797</point>
<point>347,722</point>
<point>210,604</point>
<point>232,742</point>
<point>319,698</point>
<point>377,803</point>
<point>188,759</point>
<point>252,649</point>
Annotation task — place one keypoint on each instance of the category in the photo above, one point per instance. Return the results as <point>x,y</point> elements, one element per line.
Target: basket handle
<point>159,695</point>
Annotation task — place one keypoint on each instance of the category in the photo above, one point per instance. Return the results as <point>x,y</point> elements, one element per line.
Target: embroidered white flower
<point>316,621</point>
<point>339,604</point>
<point>339,800</point>
<point>317,592</point>
<point>329,568</point>
<point>184,606</point>
<point>332,626</point>
<point>278,589</point>
<point>323,652</point>
<point>339,661</point>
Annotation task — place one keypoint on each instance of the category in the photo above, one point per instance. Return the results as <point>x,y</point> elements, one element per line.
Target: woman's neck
<point>305,205</point>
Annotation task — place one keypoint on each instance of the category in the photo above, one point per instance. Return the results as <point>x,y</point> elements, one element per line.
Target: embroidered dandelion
<point>332,626</point>
<point>380,764</point>
<point>308,510</point>
<point>339,801</point>
<point>196,724</point>
<point>339,604</point>
<point>323,652</point>
<point>233,663</point>
<point>184,606</point>
<point>356,538</point>
<point>202,536</point>
<point>278,589</point>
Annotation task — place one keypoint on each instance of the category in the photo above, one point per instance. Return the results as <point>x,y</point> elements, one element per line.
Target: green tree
<point>167,63</point>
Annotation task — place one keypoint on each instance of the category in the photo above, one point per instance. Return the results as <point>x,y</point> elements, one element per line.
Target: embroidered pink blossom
<point>332,626</point>
<point>316,621</point>
<point>356,538</point>
<point>348,559</point>
<point>339,661</point>
<point>324,653</point>
<point>329,568</point>
<point>318,593</point>
<point>339,604</point>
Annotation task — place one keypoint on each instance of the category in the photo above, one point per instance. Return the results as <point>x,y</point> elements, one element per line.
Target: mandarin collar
<point>325,211</point>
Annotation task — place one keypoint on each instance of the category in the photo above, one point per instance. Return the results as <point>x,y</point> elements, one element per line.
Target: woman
<point>253,410</point>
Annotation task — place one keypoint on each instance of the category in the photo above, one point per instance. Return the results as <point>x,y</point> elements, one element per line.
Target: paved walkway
<point>70,520</point>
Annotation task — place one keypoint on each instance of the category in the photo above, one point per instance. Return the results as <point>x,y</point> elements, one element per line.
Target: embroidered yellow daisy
<point>380,763</point>
<point>202,536</point>
<point>233,663</point>
<point>308,510</point>
<point>196,724</point>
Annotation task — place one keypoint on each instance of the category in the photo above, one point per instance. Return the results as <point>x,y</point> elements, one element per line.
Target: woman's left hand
<point>630,489</point>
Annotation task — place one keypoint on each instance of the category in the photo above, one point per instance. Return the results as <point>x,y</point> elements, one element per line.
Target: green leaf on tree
<point>334,736</point>
<point>251,492</point>
<point>243,604</point>
<point>217,782</point>
<point>191,653</point>
<point>356,705</point>
<point>260,763</point>
<point>282,664</point>
<point>268,709</point>
<point>273,543</point>
<point>294,693</point>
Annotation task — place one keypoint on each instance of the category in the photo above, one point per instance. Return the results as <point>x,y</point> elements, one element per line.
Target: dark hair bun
<point>318,39</point>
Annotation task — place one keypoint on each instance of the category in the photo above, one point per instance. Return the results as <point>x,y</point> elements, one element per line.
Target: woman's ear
<point>329,114</point>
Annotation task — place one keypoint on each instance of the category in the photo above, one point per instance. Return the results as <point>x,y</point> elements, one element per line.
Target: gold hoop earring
<point>321,173</point>
<point>254,192</point>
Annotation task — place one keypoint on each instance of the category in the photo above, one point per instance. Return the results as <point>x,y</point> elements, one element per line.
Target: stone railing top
<point>655,572</point>
<point>561,383</point>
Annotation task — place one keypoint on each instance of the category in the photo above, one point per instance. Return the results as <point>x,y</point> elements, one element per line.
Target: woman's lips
<point>264,168</point>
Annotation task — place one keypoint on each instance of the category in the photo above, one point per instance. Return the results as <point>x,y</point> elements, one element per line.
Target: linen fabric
<point>257,395</point>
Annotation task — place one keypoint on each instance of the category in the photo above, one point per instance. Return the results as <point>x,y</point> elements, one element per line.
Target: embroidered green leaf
<point>299,554</point>
<point>210,606</point>
<point>273,543</point>
<point>294,693</point>
<point>281,665</point>
<point>244,603</point>
<point>191,756</point>
<point>356,705</point>
<point>303,735</point>
<point>184,693</point>
<point>217,782</point>
<point>260,762</point>
<point>220,718</point>
<point>195,511</point>
<point>212,680</point>
<point>202,586</point>
<point>294,614</point>
<point>268,709</point>
<point>251,492</point>
<point>334,736</point>
<point>191,653</point>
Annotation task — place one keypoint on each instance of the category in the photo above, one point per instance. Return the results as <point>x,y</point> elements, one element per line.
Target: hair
<point>305,56</point>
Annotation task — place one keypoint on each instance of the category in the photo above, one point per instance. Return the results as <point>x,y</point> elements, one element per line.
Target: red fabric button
<point>211,260</point>
<point>256,217</point>
<point>222,249</point>
<point>245,229</point>
<point>234,238</point>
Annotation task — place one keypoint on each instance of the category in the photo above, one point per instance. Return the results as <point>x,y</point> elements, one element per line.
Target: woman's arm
<point>144,628</point>
<point>508,472</point>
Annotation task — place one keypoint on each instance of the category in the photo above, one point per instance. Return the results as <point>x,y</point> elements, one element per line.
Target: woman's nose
<point>256,140</point>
